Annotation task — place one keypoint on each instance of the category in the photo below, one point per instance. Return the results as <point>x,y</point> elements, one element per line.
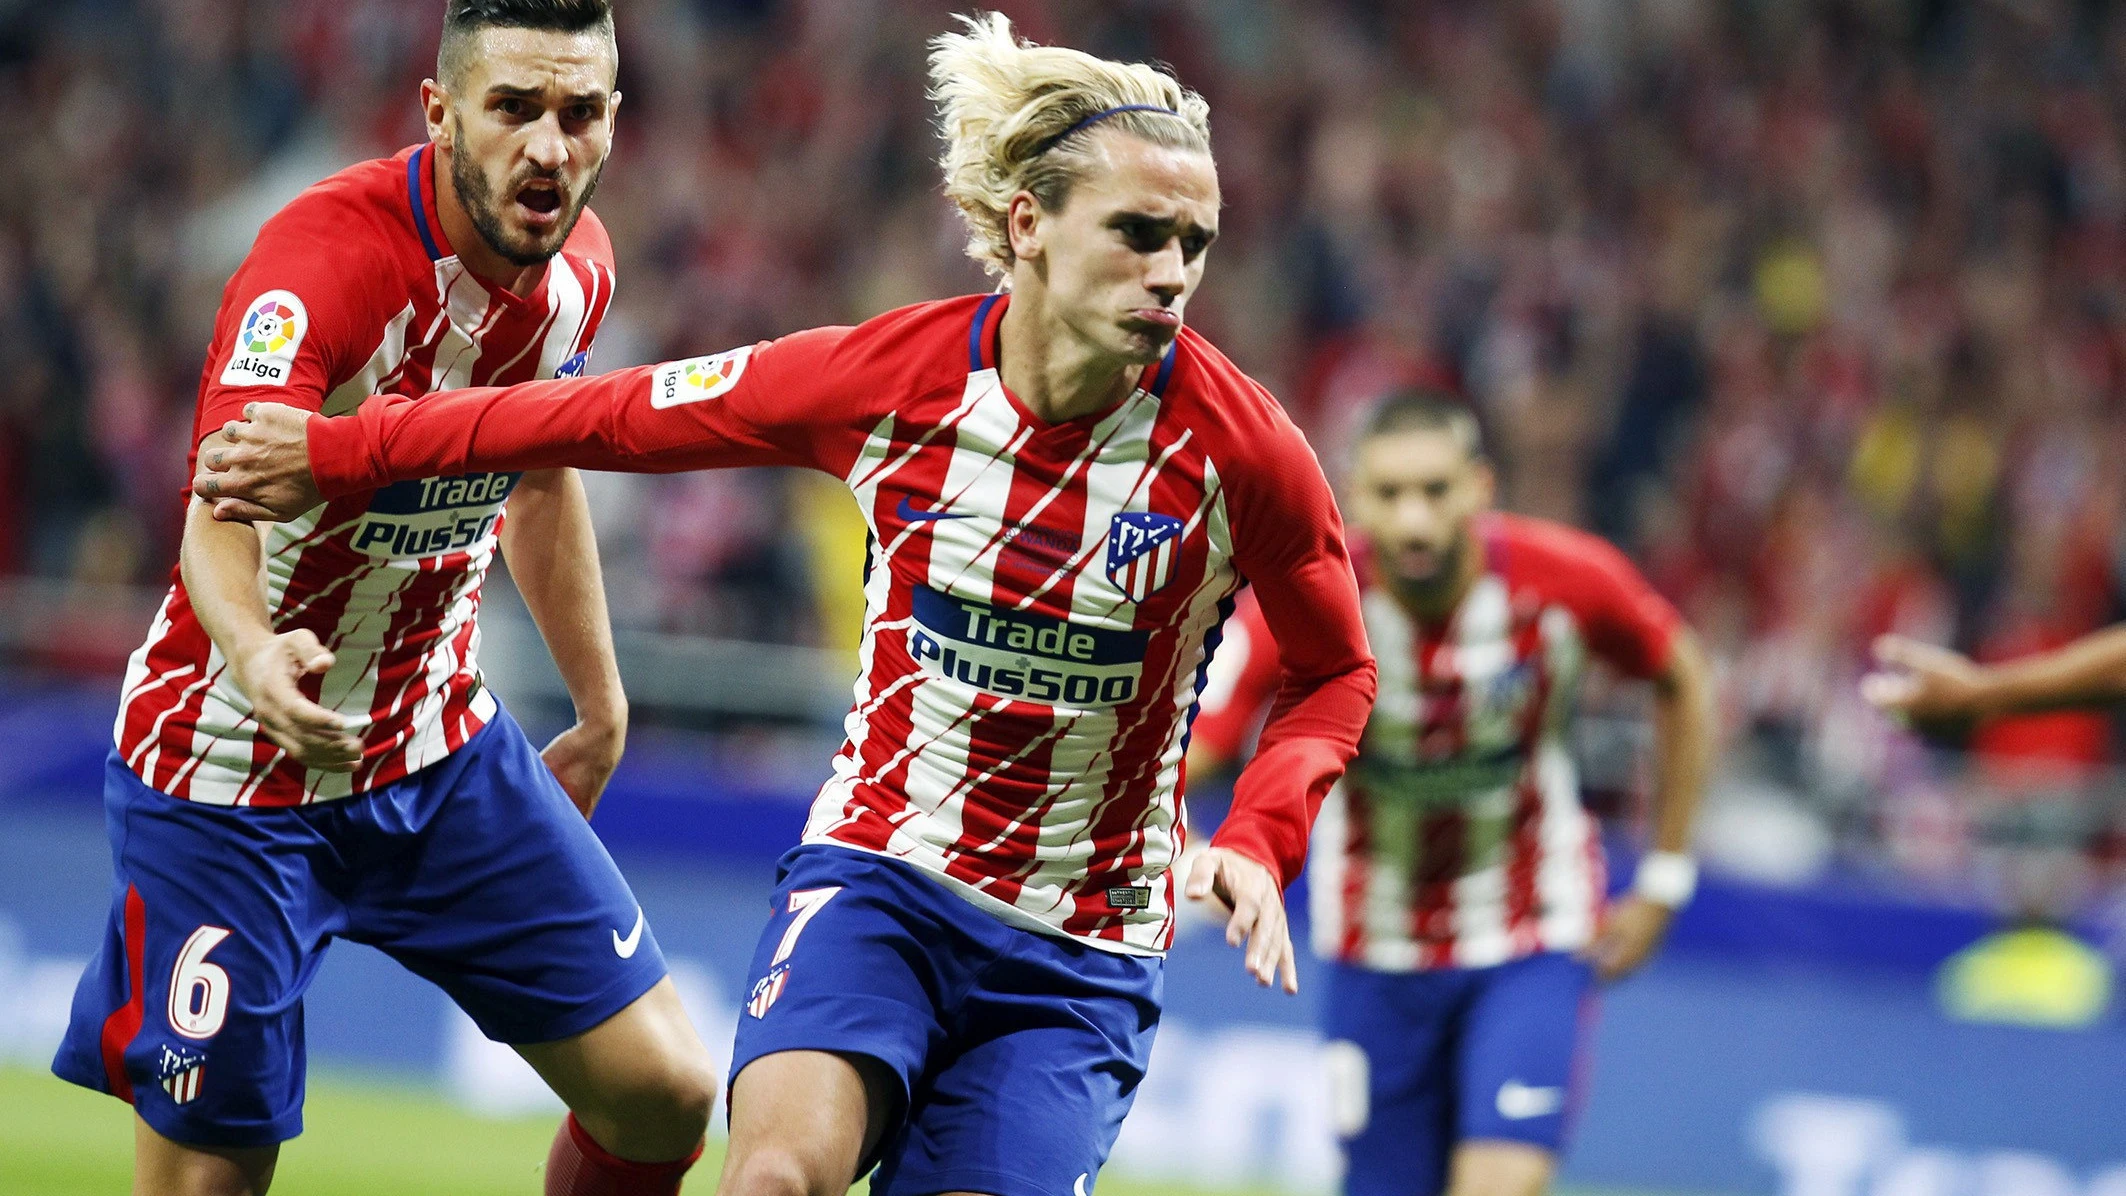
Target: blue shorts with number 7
<point>1016,1053</point>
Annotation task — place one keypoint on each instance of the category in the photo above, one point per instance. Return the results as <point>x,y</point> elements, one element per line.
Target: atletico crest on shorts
<point>765,992</point>
<point>180,1072</point>
<point>1141,548</point>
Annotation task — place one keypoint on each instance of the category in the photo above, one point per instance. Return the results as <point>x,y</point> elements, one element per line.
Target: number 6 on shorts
<point>199,991</point>
<point>804,903</point>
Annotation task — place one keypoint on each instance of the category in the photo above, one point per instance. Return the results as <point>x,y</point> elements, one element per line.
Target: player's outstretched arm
<point>1929,684</point>
<point>761,405</point>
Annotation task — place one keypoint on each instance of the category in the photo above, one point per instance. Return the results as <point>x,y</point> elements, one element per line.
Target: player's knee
<point>1500,1169</point>
<point>677,1091</point>
<point>778,1171</point>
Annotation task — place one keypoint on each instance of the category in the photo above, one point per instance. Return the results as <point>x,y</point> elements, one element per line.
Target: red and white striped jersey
<point>1458,838</point>
<point>352,290</point>
<point>1043,599</point>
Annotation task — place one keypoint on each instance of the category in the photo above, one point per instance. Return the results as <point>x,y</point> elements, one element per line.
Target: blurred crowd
<point>1818,307</point>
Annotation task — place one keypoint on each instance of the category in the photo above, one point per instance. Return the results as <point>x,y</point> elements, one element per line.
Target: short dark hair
<point>1423,410</point>
<point>462,19</point>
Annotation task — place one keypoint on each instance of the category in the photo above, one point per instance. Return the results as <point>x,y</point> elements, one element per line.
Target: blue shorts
<point>1017,1053</point>
<point>1421,1061</point>
<point>476,873</point>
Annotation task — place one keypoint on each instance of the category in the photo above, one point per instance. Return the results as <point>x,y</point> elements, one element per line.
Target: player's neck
<point>1053,372</point>
<point>470,247</point>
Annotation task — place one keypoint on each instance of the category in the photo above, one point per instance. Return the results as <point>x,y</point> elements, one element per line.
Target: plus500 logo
<point>1012,654</point>
<point>434,515</point>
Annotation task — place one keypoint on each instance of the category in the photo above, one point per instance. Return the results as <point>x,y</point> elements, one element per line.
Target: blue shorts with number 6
<point>1016,1053</point>
<point>476,873</point>
<point>1419,1062</point>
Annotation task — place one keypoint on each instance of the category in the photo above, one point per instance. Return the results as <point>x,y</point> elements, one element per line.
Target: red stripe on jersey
<point>123,1025</point>
<point>1525,862</point>
<point>1358,871</point>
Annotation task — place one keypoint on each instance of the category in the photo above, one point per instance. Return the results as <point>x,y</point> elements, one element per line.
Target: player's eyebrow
<point>598,95</point>
<point>1168,224</point>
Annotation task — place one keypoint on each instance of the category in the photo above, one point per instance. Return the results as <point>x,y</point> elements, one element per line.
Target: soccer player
<point>962,976</point>
<point>305,749</point>
<point>1456,885</point>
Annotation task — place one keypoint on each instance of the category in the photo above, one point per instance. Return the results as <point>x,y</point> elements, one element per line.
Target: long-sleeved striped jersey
<point>1043,601</point>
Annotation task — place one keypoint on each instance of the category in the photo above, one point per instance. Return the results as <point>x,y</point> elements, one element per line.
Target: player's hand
<point>1924,683</point>
<point>1633,931</point>
<point>1258,921</point>
<point>258,468</point>
<point>270,675</point>
<point>583,759</point>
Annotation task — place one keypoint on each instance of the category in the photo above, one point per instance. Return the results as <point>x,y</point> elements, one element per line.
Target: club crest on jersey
<point>1141,547</point>
<point>264,350</point>
<point>767,990</point>
<point>574,366</point>
<point>697,378</point>
<point>180,1071</point>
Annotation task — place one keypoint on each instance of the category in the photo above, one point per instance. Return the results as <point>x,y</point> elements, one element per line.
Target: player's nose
<point>1166,272</point>
<point>544,146</point>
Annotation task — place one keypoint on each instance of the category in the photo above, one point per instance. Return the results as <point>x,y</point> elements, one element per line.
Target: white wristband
<point>1666,878</point>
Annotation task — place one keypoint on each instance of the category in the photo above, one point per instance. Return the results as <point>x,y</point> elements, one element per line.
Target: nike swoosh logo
<point>909,514</point>
<point>1519,1102</point>
<point>625,947</point>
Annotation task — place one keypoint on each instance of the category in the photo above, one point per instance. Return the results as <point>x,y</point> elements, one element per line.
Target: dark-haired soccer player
<point>962,978</point>
<point>1456,883</point>
<point>305,750</point>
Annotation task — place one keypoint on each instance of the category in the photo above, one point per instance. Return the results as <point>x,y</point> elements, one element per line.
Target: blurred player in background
<point>1067,487</point>
<point>305,749</point>
<point>1457,886</point>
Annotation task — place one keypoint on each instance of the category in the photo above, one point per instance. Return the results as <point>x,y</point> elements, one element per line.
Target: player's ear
<point>435,110</point>
<point>1022,226</point>
<point>1486,481</point>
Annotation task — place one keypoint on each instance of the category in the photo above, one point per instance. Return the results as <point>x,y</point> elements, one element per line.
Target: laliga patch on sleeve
<point>697,378</point>
<point>268,333</point>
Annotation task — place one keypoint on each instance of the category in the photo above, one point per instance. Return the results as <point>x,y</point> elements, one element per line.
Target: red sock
<point>578,1166</point>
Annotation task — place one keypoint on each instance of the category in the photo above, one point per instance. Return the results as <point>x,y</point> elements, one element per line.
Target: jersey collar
<point>421,198</point>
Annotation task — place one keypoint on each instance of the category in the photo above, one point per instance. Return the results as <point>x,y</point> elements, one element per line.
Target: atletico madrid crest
<point>1141,548</point>
<point>769,988</point>
<point>180,1072</point>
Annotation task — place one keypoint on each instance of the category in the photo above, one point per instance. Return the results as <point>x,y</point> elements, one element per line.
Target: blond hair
<point>1011,111</point>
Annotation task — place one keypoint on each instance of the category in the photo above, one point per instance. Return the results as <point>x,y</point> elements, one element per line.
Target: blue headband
<point>1096,118</point>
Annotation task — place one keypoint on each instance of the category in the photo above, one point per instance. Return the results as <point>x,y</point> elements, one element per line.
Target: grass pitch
<point>361,1139</point>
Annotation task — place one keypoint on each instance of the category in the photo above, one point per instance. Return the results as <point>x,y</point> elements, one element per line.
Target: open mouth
<point>541,200</point>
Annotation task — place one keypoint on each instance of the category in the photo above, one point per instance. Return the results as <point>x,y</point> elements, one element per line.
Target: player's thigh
<point>489,883</point>
<point>1388,1058</point>
<point>165,1168</point>
<point>641,1081</point>
<point>191,1010</point>
<point>1495,1168</point>
<point>1027,1096</point>
<point>856,961</point>
<point>803,1123</point>
<point>1520,1051</point>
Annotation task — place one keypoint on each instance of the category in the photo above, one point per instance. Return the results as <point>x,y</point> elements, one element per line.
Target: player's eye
<point>1193,245</point>
<point>1142,236</point>
<point>583,112</point>
<point>510,106</point>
